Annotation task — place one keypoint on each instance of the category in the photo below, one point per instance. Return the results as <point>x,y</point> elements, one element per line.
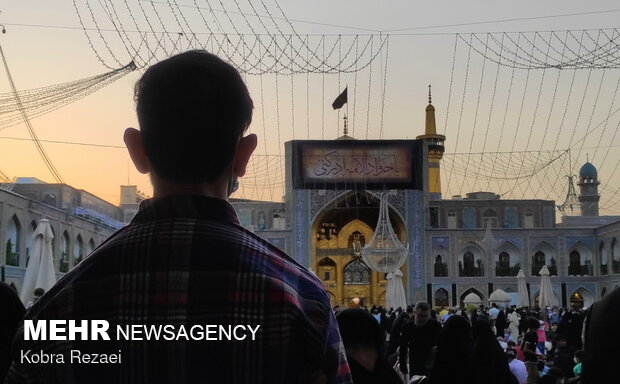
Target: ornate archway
<point>338,231</point>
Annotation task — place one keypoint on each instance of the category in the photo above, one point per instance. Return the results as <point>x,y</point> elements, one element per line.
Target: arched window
<point>538,262</point>
<point>574,264</point>
<point>356,273</point>
<point>30,240</point>
<point>91,246</point>
<point>441,268</point>
<point>580,260</point>
<point>503,264</point>
<point>441,298</point>
<point>54,250</point>
<point>507,261</point>
<point>602,251</point>
<point>470,266</point>
<point>65,246</point>
<point>468,260</point>
<point>544,254</point>
<point>78,250</point>
<point>13,235</point>
<point>615,256</point>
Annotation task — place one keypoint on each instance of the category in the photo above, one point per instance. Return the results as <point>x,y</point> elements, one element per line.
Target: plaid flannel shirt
<point>185,260</point>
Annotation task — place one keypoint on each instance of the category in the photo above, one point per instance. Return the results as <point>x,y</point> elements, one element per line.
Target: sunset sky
<point>45,45</point>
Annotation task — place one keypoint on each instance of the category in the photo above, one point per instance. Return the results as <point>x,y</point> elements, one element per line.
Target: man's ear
<point>245,148</point>
<point>133,141</point>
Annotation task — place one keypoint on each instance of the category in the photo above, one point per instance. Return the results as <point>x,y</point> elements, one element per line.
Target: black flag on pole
<point>340,100</point>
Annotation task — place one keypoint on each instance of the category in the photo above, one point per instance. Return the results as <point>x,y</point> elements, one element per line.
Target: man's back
<point>184,261</point>
<point>418,341</point>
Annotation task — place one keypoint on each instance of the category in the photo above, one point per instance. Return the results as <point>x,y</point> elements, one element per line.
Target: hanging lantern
<point>384,252</point>
<point>489,242</point>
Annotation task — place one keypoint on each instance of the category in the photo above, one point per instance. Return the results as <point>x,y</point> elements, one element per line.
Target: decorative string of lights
<point>147,34</point>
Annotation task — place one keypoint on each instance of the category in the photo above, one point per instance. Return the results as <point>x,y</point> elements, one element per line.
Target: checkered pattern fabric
<point>185,260</point>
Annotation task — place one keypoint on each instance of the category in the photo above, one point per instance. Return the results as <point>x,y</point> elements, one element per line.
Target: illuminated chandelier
<point>384,252</point>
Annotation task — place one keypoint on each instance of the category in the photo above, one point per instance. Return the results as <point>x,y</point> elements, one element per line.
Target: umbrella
<point>395,295</point>
<point>40,270</point>
<point>546,296</point>
<point>524,297</point>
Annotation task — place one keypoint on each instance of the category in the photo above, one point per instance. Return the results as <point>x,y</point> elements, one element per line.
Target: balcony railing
<point>580,270</point>
<point>470,271</point>
<point>441,270</point>
<point>553,269</point>
<point>506,270</point>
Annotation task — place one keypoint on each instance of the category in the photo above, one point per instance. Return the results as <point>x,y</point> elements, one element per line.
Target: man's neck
<point>164,188</point>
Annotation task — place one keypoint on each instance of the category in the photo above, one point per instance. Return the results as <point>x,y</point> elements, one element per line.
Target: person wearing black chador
<point>397,327</point>
<point>452,360</point>
<point>500,323</point>
<point>12,312</point>
<point>363,342</point>
<point>601,336</point>
<point>490,362</point>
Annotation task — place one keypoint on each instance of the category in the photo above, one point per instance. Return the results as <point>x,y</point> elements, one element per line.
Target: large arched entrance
<point>581,298</point>
<point>441,298</point>
<point>467,292</point>
<point>339,231</point>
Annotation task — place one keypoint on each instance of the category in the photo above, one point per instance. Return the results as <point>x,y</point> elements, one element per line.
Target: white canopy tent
<point>524,297</point>
<point>472,298</point>
<point>499,297</point>
<point>40,269</point>
<point>546,296</point>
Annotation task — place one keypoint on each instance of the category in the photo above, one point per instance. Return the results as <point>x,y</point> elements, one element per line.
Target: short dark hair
<point>192,109</point>
<point>532,322</point>
<point>39,292</point>
<point>561,337</point>
<point>422,306</point>
<point>359,329</point>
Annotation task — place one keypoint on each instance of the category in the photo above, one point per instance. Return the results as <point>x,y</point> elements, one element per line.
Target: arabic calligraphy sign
<point>365,164</point>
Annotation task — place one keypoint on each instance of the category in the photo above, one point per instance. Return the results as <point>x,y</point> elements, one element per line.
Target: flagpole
<point>347,112</point>
<point>340,101</point>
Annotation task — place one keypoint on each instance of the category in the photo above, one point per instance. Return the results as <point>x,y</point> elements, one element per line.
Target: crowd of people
<point>471,344</point>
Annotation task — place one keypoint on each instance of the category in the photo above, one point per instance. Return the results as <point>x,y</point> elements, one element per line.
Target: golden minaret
<point>435,149</point>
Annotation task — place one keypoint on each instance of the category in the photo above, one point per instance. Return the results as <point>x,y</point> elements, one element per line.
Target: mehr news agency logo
<point>99,330</point>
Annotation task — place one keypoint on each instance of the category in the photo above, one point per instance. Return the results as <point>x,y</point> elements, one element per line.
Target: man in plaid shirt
<point>184,261</point>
